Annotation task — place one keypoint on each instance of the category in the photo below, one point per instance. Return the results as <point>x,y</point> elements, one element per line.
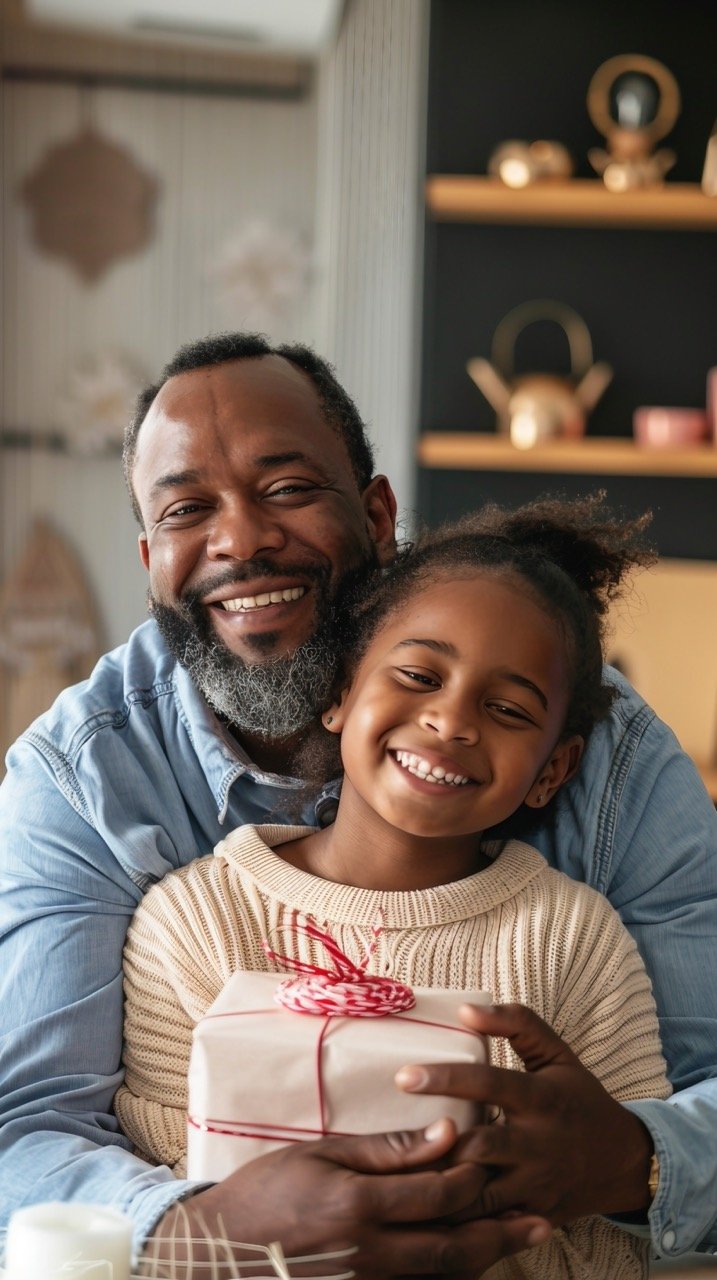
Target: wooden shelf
<point>601,455</point>
<point>577,202</point>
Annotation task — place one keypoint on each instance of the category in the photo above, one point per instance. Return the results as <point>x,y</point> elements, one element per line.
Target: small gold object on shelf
<point>535,407</point>
<point>709,172</point>
<point>519,164</point>
<point>634,101</point>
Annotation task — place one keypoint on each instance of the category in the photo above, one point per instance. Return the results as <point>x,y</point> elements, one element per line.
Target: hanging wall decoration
<point>91,203</point>
<point>261,272</point>
<point>49,632</point>
<point>97,402</point>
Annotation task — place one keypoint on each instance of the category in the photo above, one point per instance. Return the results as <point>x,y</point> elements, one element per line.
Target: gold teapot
<point>533,407</point>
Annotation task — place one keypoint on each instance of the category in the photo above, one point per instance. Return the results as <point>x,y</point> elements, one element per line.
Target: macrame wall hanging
<point>49,632</point>
<point>90,201</point>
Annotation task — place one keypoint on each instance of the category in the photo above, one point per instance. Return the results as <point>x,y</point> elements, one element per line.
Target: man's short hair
<point>339,409</point>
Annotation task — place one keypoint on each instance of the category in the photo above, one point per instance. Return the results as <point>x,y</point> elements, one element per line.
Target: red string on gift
<point>346,990</point>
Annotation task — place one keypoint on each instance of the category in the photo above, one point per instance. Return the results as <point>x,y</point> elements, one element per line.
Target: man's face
<point>252,514</point>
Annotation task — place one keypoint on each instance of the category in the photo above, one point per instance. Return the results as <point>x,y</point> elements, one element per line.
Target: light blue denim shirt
<point>129,776</point>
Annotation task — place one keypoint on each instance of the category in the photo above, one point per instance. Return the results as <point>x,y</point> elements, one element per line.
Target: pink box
<point>712,402</point>
<point>660,426</point>
<point>260,1075</point>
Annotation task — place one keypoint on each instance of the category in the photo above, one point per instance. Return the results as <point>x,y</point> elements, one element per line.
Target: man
<point>252,479</point>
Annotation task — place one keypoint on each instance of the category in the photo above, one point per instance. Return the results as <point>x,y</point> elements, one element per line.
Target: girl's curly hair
<point>572,556</point>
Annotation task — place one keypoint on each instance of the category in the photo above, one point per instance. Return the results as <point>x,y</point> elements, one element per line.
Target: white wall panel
<point>370,219</point>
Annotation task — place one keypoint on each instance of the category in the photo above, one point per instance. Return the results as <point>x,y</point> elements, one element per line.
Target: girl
<point>472,677</point>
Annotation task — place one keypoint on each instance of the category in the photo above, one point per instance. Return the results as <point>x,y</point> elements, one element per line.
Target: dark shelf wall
<point>521,69</point>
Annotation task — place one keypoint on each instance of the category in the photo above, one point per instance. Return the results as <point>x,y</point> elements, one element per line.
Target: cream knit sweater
<point>518,929</point>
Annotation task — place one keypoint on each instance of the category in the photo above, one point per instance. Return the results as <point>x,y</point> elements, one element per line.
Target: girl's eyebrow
<point>438,646</point>
<point>443,646</point>
<point>525,683</point>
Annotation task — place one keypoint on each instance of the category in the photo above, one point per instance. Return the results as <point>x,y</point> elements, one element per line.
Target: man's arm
<point>65,904</point>
<point>656,861</point>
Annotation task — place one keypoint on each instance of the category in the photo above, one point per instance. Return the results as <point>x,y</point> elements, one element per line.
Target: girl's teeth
<point>422,769</point>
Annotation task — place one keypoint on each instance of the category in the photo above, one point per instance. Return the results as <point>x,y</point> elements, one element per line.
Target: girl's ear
<point>562,765</point>
<point>333,718</point>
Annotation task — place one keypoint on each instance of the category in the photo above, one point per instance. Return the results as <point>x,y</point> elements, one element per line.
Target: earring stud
<point>539,799</point>
<point>328,720</point>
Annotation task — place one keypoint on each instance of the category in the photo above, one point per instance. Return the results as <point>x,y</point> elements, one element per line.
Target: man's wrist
<point>641,1179</point>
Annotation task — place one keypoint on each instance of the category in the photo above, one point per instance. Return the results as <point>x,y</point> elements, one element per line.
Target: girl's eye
<point>505,710</point>
<point>419,677</point>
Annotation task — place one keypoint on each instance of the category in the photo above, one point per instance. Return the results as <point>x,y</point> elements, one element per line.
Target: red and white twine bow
<point>346,991</point>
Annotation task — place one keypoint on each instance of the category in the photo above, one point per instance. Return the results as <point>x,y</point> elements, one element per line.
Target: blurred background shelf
<point>575,202</point>
<point>601,455</point>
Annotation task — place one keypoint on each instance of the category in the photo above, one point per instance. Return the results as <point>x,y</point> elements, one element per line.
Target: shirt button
<point>668,1240</point>
<point>327,813</point>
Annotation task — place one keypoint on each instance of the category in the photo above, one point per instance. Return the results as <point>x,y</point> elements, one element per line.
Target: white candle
<point>64,1241</point>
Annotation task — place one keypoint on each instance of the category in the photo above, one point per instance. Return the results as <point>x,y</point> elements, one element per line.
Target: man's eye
<point>186,509</point>
<point>290,489</point>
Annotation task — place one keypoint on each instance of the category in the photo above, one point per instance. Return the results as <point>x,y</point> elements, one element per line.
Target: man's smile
<point>242,604</point>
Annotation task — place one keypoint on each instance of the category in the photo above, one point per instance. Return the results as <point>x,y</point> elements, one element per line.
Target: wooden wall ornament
<point>49,630</point>
<point>91,203</point>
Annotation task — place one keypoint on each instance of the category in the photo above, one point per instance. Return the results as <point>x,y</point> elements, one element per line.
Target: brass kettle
<point>540,406</point>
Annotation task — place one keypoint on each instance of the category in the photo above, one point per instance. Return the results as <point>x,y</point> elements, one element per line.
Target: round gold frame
<point>598,97</point>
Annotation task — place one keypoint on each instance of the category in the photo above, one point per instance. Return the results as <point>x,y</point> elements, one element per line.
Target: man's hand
<point>381,1196</point>
<point>566,1147</point>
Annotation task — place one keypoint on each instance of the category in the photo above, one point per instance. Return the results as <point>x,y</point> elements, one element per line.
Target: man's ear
<point>379,503</point>
<point>562,764</point>
<point>143,545</point>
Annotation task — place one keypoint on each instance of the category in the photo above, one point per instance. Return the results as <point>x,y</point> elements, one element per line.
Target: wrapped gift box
<point>261,1075</point>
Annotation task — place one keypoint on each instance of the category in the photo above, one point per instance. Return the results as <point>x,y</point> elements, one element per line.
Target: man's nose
<point>451,719</point>
<point>241,530</point>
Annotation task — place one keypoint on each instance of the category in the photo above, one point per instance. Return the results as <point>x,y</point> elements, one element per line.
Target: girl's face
<point>455,712</point>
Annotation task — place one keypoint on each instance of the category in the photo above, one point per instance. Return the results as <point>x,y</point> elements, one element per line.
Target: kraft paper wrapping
<point>261,1075</point>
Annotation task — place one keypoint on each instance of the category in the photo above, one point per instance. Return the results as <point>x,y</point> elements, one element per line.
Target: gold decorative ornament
<point>709,172</point>
<point>519,164</point>
<point>91,203</point>
<point>540,406</point>
<point>634,101</point>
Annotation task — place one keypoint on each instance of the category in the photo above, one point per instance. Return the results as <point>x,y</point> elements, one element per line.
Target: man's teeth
<point>240,603</point>
<point>430,773</point>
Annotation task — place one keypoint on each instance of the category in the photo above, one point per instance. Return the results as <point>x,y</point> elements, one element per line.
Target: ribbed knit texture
<point>518,929</point>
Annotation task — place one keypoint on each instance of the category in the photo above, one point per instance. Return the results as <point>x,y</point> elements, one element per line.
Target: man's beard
<point>276,697</point>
